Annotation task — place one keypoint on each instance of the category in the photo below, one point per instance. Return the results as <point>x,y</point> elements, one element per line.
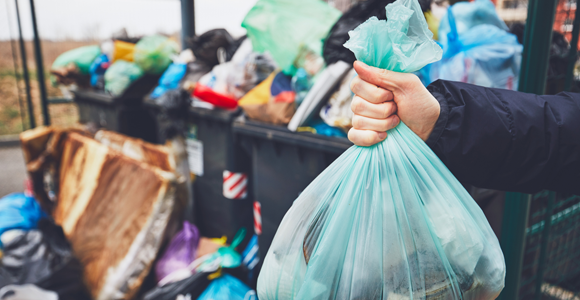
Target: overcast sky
<point>77,19</point>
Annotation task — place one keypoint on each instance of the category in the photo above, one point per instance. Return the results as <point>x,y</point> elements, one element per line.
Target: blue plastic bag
<point>483,54</point>
<point>388,221</point>
<point>18,211</point>
<point>98,69</point>
<point>469,15</point>
<point>170,79</point>
<point>227,287</point>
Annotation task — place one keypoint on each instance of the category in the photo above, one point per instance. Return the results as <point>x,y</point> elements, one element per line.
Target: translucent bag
<point>285,28</point>
<point>153,53</point>
<point>120,75</point>
<point>82,57</point>
<point>484,54</point>
<point>180,253</point>
<point>388,221</point>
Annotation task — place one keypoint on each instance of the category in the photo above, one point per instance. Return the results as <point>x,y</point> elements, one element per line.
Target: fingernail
<point>382,135</point>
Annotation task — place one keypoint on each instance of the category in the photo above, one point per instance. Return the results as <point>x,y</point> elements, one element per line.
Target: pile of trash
<point>291,69</point>
<point>115,64</point>
<point>102,218</point>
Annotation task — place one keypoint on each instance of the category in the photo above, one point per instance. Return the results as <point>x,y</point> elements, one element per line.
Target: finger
<point>383,78</point>
<point>370,92</point>
<point>360,106</point>
<point>365,137</point>
<point>364,123</point>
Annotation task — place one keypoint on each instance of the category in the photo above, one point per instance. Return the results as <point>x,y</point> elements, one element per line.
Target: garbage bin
<point>283,164</point>
<point>124,113</point>
<point>221,194</point>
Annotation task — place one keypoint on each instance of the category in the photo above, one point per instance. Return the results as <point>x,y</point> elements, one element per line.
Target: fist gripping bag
<point>387,221</point>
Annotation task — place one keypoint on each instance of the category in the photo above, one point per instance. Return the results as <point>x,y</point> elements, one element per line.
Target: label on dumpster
<point>195,156</point>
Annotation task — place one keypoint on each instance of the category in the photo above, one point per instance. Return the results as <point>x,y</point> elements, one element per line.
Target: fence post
<point>187,22</point>
<point>534,69</point>
<point>39,67</point>
<point>573,52</point>
<point>513,241</point>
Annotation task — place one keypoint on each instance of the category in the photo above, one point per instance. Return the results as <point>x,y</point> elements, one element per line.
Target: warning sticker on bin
<point>235,185</point>
<point>195,156</point>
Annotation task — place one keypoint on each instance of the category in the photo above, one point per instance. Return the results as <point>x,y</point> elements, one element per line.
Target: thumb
<point>388,80</point>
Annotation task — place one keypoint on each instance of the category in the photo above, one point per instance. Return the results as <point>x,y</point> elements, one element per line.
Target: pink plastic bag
<point>180,253</point>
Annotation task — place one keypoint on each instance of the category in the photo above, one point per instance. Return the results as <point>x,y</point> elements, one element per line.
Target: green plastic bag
<point>82,57</point>
<point>153,53</point>
<point>388,221</point>
<point>120,75</point>
<point>286,27</point>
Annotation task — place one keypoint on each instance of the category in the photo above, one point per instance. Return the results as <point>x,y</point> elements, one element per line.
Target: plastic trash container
<point>283,164</point>
<point>221,189</point>
<point>124,114</point>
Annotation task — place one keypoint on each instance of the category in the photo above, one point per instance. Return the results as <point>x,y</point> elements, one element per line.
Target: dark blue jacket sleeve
<point>506,140</point>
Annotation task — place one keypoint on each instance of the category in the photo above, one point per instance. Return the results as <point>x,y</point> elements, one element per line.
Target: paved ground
<point>12,170</point>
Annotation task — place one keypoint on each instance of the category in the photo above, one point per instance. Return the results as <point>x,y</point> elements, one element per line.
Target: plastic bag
<point>44,258</point>
<point>356,15</point>
<point>98,69</point>
<point>82,57</point>
<point>404,36</point>
<point>123,51</point>
<point>484,54</point>
<point>227,287</point>
<point>469,15</point>
<point>387,221</point>
<point>284,27</point>
<point>205,46</point>
<point>26,292</point>
<point>153,53</point>
<point>180,253</point>
<point>18,211</point>
<point>193,286</point>
<point>170,79</point>
<point>120,75</point>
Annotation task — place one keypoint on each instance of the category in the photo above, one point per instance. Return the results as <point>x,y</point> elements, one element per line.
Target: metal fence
<point>541,232</point>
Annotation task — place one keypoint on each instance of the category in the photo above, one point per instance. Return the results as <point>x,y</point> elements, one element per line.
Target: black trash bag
<point>334,50</point>
<point>193,285</point>
<point>230,51</point>
<point>205,47</point>
<point>44,258</point>
<point>174,105</point>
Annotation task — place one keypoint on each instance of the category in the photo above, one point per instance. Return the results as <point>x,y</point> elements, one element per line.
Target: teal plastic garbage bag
<point>19,211</point>
<point>120,75</point>
<point>82,57</point>
<point>388,221</point>
<point>402,43</point>
<point>227,287</point>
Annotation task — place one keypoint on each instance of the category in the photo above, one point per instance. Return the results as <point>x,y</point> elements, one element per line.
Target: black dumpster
<point>283,164</point>
<point>124,113</point>
<point>217,160</point>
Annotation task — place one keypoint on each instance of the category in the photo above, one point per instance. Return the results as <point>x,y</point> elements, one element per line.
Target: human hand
<point>383,99</point>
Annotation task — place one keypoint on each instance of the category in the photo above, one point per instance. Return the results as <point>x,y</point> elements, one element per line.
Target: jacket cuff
<point>443,117</point>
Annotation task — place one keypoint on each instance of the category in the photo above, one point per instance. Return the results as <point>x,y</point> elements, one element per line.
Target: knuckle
<point>355,105</point>
<point>354,84</point>
<point>357,122</point>
<point>386,111</point>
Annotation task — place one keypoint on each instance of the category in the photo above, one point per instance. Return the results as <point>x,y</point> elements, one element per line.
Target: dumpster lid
<point>284,135</point>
